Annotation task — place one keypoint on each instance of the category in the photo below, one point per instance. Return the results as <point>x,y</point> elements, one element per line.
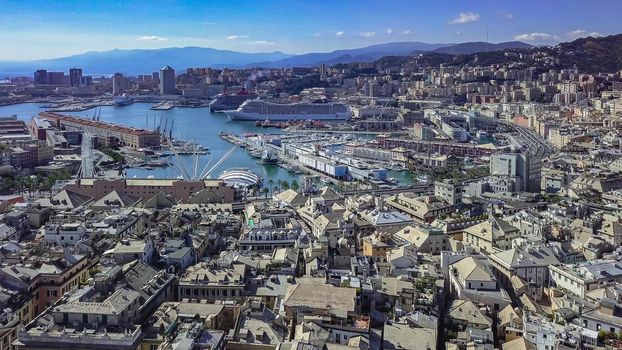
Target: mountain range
<point>143,61</point>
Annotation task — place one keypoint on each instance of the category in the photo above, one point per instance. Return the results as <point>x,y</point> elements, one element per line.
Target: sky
<point>39,29</point>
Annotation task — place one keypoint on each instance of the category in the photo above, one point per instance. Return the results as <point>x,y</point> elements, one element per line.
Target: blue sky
<point>36,29</point>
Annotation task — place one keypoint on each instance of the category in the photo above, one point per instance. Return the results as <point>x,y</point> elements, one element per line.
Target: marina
<point>197,125</point>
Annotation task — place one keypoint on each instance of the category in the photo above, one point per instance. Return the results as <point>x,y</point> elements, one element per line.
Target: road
<point>538,146</point>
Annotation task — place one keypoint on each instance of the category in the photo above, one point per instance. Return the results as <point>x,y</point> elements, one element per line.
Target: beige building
<point>423,209</point>
<point>181,190</point>
<point>203,282</point>
<point>425,239</point>
<point>492,235</point>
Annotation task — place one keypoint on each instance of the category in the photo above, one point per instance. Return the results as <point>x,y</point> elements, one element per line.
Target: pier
<point>163,106</point>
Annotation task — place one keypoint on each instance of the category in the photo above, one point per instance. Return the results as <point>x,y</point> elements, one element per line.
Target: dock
<point>163,106</point>
<point>76,107</point>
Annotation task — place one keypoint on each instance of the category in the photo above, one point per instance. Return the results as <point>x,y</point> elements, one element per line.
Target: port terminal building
<point>105,133</point>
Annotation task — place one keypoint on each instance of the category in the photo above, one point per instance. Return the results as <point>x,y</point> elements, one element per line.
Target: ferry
<point>122,100</point>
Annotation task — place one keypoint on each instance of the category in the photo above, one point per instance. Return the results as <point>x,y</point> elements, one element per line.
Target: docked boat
<point>166,154</point>
<point>269,157</point>
<point>255,153</point>
<point>157,163</point>
<point>259,110</point>
<point>122,100</point>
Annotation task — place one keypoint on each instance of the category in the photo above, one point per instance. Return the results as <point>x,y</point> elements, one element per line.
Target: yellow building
<point>377,245</point>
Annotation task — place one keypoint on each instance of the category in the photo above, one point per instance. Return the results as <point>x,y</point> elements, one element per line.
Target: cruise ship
<point>230,101</point>
<point>122,100</point>
<point>263,110</point>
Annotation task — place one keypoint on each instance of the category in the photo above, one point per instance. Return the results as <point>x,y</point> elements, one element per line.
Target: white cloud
<point>152,38</point>
<point>581,33</point>
<point>509,16</point>
<point>339,34</point>
<point>389,31</point>
<point>465,17</point>
<point>407,31</point>
<point>536,37</point>
<point>367,34</point>
<point>263,42</point>
<point>235,37</point>
<point>317,35</point>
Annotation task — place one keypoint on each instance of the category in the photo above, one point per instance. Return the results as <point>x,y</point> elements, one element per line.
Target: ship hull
<point>238,115</point>
<point>125,103</point>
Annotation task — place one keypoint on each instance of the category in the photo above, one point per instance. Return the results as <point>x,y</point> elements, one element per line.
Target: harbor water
<point>197,125</point>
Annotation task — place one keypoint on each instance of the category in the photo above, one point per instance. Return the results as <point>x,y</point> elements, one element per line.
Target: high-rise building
<point>86,81</point>
<point>423,132</point>
<point>322,72</point>
<point>75,77</point>
<point>41,77</point>
<point>167,80</point>
<point>522,169</point>
<point>118,84</point>
<point>56,78</point>
<point>373,89</point>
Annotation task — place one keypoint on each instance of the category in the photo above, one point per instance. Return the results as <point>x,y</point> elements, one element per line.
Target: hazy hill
<point>363,54</point>
<point>144,61</point>
<point>480,46</point>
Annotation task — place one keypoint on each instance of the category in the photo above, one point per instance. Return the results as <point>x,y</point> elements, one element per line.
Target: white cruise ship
<point>122,100</point>
<point>263,110</point>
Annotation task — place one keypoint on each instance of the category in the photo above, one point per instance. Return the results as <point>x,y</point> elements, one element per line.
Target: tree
<point>265,191</point>
<point>294,186</point>
<point>29,184</point>
<point>6,184</point>
<point>271,183</point>
<point>285,185</point>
